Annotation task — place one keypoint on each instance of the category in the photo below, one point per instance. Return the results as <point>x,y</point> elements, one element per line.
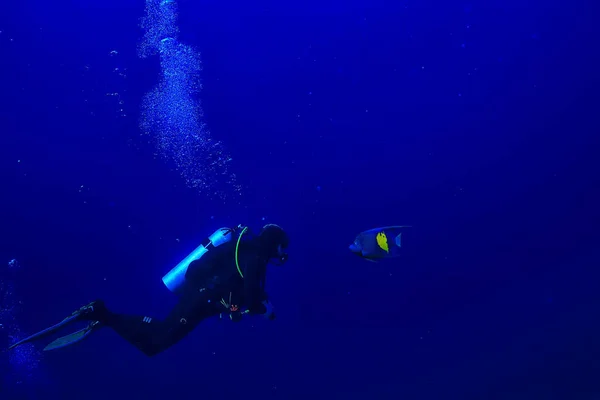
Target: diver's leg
<point>151,335</point>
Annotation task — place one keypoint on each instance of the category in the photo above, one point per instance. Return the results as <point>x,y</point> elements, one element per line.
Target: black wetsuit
<point>209,280</point>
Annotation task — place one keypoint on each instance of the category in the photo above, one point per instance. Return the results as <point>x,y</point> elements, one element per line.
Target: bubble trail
<point>171,112</point>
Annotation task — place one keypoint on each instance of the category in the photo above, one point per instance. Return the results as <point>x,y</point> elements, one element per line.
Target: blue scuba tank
<point>175,278</point>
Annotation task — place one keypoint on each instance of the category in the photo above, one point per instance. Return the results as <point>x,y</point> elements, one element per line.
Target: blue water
<point>474,122</point>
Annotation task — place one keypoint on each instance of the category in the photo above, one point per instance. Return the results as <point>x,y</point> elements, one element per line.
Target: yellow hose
<point>237,246</point>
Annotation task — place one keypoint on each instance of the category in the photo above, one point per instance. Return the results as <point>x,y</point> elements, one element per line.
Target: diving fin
<point>47,331</point>
<point>74,337</point>
<point>76,316</point>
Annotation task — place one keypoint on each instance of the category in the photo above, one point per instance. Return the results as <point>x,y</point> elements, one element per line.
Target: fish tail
<point>398,240</point>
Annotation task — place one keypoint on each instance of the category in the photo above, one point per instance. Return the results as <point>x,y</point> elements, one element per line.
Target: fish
<point>379,243</point>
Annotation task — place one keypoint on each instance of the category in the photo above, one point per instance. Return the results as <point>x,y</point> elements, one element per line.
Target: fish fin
<point>383,228</point>
<point>398,240</point>
<point>371,260</point>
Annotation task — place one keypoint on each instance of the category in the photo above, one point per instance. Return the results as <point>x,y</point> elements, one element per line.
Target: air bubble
<point>171,113</point>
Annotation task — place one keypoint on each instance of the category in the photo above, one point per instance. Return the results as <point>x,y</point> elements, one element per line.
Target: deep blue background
<point>475,122</point>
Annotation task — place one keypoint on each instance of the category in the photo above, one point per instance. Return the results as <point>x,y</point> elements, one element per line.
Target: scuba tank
<point>175,278</point>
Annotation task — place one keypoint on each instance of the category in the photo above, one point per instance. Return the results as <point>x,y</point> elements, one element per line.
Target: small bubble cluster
<point>24,360</point>
<point>171,112</point>
<point>114,77</point>
<point>116,94</point>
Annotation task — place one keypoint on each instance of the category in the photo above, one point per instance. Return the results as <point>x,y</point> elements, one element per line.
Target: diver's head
<point>273,241</point>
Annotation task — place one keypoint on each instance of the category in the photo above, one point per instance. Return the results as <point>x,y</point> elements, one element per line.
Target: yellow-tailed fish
<point>375,243</point>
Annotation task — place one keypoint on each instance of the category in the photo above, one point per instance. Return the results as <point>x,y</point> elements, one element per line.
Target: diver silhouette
<point>224,275</point>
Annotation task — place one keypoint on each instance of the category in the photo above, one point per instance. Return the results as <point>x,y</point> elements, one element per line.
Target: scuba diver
<point>225,275</point>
